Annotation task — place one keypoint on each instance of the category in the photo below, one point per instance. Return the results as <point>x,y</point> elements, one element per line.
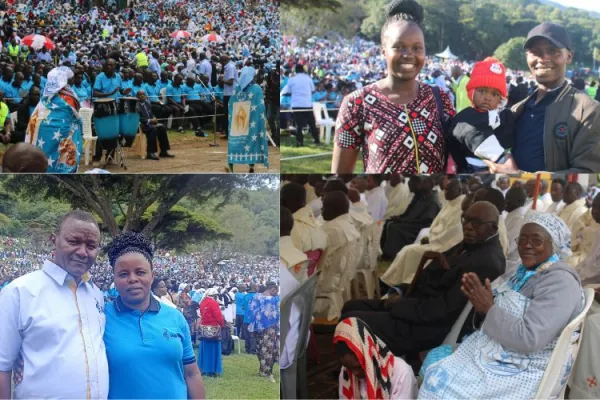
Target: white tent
<point>446,54</point>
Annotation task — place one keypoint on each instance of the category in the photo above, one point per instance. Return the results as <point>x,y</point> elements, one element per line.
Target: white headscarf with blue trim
<point>556,228</point>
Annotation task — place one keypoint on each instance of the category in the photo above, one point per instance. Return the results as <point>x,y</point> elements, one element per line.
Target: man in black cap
<point>558,127</point>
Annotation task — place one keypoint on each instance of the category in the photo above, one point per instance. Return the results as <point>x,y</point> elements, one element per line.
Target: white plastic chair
<point>239,346</point>
<point>324,122</point>
<point>555,375</point>
<point>369,273</point>
<point>89,141</point>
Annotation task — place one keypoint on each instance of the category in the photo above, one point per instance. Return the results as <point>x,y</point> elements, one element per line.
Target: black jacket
<point>470,128</point>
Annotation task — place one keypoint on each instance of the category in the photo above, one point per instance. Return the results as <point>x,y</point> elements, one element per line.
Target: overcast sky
<point>593,5</point>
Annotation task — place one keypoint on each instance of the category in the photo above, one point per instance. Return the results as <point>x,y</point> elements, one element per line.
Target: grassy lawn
<point>240,379</point>
<point>310,165</point>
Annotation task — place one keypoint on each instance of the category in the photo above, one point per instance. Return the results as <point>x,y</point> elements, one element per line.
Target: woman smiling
<point>148,345</point>
<point>397,122</point>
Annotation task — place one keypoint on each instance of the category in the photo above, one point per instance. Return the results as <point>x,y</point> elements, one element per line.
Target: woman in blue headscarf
<point>247,143</point>
<point>55,125</point>
<point>522,320</point>
<point>264,326</point>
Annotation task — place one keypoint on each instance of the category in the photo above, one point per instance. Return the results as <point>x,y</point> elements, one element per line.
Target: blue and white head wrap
<point>556,228</point>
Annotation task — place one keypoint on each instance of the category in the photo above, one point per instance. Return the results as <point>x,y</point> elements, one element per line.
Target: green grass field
<point>312,165</point>
<point>240,379</point>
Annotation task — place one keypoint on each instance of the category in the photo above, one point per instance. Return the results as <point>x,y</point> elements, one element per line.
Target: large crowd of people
<point>512,249</point>
<point>409,111</point>
<point>89,56</point>
<point>215,302</point>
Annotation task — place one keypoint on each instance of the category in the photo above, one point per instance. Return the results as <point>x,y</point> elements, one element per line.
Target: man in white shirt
<point>399,196</point>
<point>54,320</point>
<point>230,78</point>
<point>204,68</point>
<point>557,191</point>
<point>545,197</point>
<point>301,89</point>
<point>376,200</point>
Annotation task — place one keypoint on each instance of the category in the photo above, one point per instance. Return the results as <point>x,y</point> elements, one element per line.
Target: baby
<point>483,131</point>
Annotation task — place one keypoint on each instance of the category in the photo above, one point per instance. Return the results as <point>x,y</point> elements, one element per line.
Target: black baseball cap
<point>555,33</point>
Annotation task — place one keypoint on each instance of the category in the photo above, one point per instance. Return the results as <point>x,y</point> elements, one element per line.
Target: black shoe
<point>152,156</point>
<point>164,154</point>
<point>180,129</point>
<point>201,133</point>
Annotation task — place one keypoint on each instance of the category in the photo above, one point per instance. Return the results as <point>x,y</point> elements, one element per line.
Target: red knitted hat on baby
<point>488,73</point>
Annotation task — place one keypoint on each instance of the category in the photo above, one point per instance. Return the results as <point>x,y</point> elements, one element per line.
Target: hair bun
<point>408,7</point>
<point>129,242</point>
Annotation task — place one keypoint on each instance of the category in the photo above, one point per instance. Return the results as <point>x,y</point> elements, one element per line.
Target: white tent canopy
<point>447,54</point>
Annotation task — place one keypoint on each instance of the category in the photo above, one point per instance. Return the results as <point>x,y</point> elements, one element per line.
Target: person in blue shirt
<point>164,81</point>
<point>320,95</point>
<point>240,308</point>
<point>248,317</point>
<point>14,92</point>
<point>176,102</point>
<point>83,92</point>
<point>137,84</point>
<point>148,345</point>
<point>152,89</point>
<point>127,78</point>
<point>198,108</point>
<point>108,84</point>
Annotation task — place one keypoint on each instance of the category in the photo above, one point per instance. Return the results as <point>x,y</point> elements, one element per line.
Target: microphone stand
<point>214,99</point>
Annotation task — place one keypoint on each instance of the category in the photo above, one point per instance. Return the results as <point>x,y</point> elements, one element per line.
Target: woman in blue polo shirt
<point>148,345</point>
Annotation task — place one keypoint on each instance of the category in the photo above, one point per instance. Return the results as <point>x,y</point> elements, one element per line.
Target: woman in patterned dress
<point>264,326</point>
<point>395,121</point>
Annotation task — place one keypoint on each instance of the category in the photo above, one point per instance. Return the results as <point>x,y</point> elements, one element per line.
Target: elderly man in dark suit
<point>152,129</point>
<point>420,318</point>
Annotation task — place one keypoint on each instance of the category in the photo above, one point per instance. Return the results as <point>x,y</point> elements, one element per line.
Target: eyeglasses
<point>475,223</point>
<point>534,241</point>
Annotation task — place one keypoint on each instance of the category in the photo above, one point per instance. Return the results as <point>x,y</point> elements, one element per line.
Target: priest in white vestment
<point>358,212</point>
<point>338,264</point>
<point>583,237</point>
<point>399,196</point>
<point>445,232</point>
<point>557,191</point>
<point>515,206</point>
<point>306,234</point>
<point>574,205</point>
<point>294,259</point>
<point>376,200</point>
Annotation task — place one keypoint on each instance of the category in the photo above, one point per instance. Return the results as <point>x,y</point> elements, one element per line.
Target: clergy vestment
<point>306,234</point>
<point>337,265</point>
<point>445,233</point>
<point>555,208</point>
<point>583,237</point>
<point>360,216</point>
<point>295,260</point>
<point>513,222</point>
<point>572,212</point>
<point>399,197</point>
<point>310,193</point>
<point>399,233</point>
<point>377,202</point>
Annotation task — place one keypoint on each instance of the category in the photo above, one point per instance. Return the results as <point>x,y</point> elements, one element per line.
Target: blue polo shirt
<point>192,93</point>
<point>175,93</point>
<point>147,352</point>
<point>105,84</point>
<point>83,92</point>
<point>152,91</point>
<point>528,148</point>
<point>240,303</point>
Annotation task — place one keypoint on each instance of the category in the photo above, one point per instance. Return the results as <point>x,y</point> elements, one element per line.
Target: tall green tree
<point>512,55</point>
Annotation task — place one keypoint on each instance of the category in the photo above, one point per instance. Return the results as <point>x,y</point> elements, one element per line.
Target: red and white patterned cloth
<point>368,120</point>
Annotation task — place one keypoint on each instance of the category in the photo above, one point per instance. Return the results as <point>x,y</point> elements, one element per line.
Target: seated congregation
<point>440,287</point>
